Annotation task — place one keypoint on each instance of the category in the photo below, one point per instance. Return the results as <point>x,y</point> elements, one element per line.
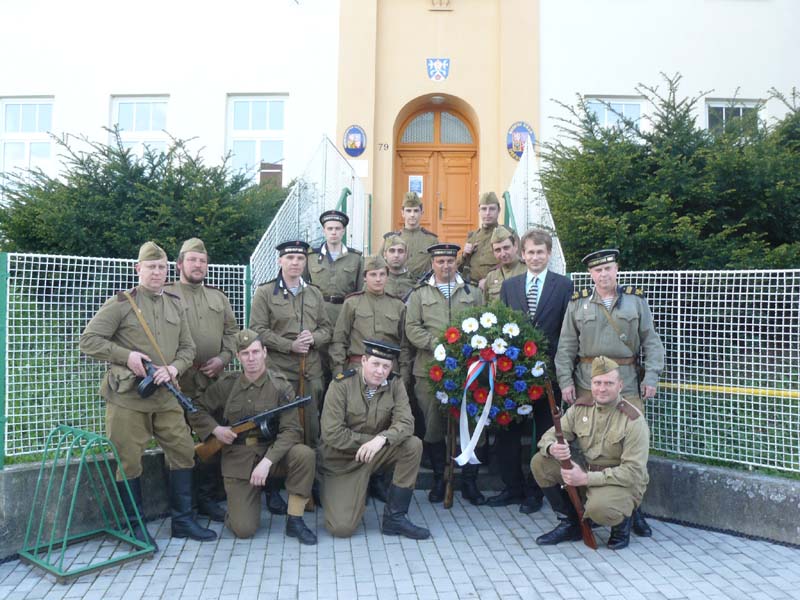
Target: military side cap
<point>393,240</point>
<point>334,215</point>
<point>444,250</point>
<point>151,251</point>
<point>193,245</point>
<point>292,247</point>
<point>489,198</point>
<point>501,234</point>
<point>602,365</point>
<point>600,257</point>
<point>411,200</point>
<point>372,263</point>
<point>381,349</point>
<point>244,338</point>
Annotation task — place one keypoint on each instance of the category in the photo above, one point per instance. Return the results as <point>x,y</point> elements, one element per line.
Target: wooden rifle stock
<point>450,468</point>
<point>586,529</point>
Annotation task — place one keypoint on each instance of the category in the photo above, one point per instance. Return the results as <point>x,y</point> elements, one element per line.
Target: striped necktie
<point>533,297</point>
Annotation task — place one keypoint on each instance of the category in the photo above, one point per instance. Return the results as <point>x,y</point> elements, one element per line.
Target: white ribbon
<point>468,448</point>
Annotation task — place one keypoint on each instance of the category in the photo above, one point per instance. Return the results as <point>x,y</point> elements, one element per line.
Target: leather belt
<point>620,361</point>
<point>334,299</point>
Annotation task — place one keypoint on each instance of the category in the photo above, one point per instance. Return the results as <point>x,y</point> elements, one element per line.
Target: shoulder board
<point>629,410</point>
<point>266,282</point>
<point>353,294</point>
<point>311,284</point>
<point>390,234</point>
<point>349,249</point>
<point>171,284</point>
<point>633,291</point>
<point>419,286</point>
<point>393,375</point>
<point>584,402</point>
<point>388,295</point>
<point>584,293</point>
<point>172,295</point>
<point>121,295</point>
<point>428,231</point>
<point>345,374</point>
<point>212,287</point>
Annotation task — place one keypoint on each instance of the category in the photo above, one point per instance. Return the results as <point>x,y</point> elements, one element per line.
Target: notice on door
<point>415,184</point>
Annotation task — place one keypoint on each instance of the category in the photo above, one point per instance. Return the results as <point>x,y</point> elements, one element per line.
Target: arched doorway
<point>437,154</point>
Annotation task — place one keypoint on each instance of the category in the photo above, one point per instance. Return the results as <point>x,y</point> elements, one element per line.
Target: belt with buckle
<point>620,361</point>
<point>334,299</point>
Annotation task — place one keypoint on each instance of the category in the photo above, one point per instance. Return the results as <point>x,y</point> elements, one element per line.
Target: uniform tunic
<point>213,327</point>
<point>587,333</point>
<point>417,242</point>
<point>428,314</point>
<point>368,316</point>
<point>482,259</point>
<point>335,278</point>
<point>496,277</point>
<point>132,421</point>
<point>399,284</point>
<point>237,398</point>
<point>614,440</point>
<point>349,420</point>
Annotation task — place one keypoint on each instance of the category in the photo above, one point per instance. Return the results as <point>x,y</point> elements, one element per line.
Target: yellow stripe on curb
<point>726,389</point>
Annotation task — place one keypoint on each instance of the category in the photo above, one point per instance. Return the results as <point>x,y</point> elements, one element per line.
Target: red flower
<point>436,373</point>
<point>452,335</point>
<point>503,418</point>
<point>473,386</point>
<point>480,395</point>
<point>530,348</point>
<point>471,360</point>
<point>501,388</point>
<point>505,364</point>
<point>535,392</point>
<point>455,412</point>
<point>488,354</point>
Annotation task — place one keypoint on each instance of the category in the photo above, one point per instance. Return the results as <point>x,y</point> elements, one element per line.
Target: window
<point>142,122</point>
<point>720,112</point>
<point>25,142</point>
<point>256,131</point>
<point>610,111</point>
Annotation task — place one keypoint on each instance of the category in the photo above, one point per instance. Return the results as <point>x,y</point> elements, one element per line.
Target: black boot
<point>276,505</point>
<point>437,452</point>
<point>140,533</point>
<point>377,487</point>
<point>395,521</point>
<point>180,504</point>
<point>620,535</point>
<point>640,526</point>
<point>206,484</point>
<point>469,485</point>
<point>533,497</point>
<point>568,529</point>
<point>297,528</point>
<point>505,497</point>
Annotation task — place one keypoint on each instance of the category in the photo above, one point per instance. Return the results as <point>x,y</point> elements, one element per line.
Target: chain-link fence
<point>48,301</point>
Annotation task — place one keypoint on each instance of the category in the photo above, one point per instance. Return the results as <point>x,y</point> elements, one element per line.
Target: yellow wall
<point>493,47</point>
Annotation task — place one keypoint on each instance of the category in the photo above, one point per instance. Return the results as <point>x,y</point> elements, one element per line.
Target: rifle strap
<point>616,328</point>
<point>138,312</point>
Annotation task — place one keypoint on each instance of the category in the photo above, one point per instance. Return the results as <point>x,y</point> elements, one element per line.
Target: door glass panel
<point>454,130</point>
<point>420,130</point>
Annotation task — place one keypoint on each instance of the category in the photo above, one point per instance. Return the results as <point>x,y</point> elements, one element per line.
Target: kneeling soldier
<point>614,439</point>
<point>366,427</point>
<point>249,460</point>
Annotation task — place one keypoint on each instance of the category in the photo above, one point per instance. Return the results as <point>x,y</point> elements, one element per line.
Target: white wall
<point>607,47</point>
<point>86,51</point>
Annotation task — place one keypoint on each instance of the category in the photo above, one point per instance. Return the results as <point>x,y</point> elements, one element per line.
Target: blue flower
<point>520,371</point>
<point>466,350</point>
<point>519,386</point>
<point>512,352</point>
<point>450,385</point>
<point>493,412</point>
<point>472,410</point>
<point>455,401</point>
<point>451,364</point>
<point>509,403</point>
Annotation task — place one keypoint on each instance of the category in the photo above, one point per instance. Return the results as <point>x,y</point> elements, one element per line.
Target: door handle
<point>441,210</point>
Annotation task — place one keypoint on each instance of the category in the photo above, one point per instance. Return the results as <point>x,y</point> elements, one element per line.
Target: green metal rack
<point>88,456</point>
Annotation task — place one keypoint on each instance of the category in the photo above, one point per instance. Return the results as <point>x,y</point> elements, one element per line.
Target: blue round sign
<point>355,141</point>
<point>519,135</point>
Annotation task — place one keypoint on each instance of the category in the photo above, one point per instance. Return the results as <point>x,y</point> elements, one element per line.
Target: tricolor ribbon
<point>468,448</point>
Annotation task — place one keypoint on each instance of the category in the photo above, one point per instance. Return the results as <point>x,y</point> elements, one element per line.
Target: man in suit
<point>544,297</point>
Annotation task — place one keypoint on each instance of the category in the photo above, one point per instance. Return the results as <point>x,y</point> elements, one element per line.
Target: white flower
<point>441,397</point>
<point>525,409</point>
<point>538,369</point>
<point>479,342</point>
<point>440,353</point>
<point>511,330</point>
<point>470,325</point>
<point>488,319</point>
<point>499,346</point>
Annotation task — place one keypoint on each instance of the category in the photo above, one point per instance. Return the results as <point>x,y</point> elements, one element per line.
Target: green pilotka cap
<point>603,365</point>
<point>394,240</point>
<point>411,200</point>
<point>373,263</point>
<point>151,251</point>
<point>501,234</point>
<point>193,245</point>
<point>489,198</point>
<point>244,338</point>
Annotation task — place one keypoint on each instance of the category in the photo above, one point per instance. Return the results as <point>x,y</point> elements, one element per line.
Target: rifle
<point>301,388</point>
<point>147,388</point>
<point>586,529</point>
<point>205,450</point>
<point>450,468</point>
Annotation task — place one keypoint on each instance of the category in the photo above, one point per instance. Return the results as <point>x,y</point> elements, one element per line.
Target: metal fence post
<point>248,294</point>
<point>3,355</point>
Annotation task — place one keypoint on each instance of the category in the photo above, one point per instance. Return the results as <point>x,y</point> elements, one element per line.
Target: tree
<point>674,196</point>
<point>107,202</point>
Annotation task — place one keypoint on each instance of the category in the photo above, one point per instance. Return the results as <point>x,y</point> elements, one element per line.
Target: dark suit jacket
<point>553,301</point>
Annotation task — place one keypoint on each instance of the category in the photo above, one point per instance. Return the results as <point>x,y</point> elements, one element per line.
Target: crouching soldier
<point>367,427</point>
<point>614,439</point>
<point>250,460</point>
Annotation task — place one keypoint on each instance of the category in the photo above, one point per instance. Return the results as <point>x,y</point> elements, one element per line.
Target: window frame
<point>156,139</point>
<point>606,100</point>
<point>40,136</point>
<point>730,103</point>
<point>258,136</point>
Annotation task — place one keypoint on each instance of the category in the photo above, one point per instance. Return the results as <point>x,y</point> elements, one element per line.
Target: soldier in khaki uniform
<point>213,328</point>
<point>431,307</point>
<point>613,321</point>
<point>367,427</point>
<point>249,460</point>
<point>509,264</point>
<point>115,335</point>
<point>478,257</point>
<point>416,237</point>
<point>290,317</point>
<point>612,436</point>
<point>400,281</point>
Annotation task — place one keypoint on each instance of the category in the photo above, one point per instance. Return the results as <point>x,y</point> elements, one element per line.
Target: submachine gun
<point>147,388</point>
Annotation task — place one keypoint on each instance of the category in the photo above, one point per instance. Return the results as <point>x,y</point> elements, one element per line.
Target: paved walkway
<point>474,553</point>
